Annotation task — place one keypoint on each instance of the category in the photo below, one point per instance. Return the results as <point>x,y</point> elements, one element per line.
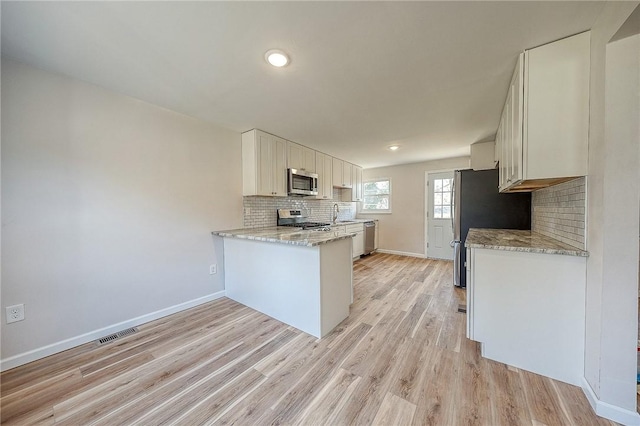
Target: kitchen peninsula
<point>300,277</point>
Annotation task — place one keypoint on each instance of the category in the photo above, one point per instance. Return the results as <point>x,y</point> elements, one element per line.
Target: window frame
<point>377,211</point>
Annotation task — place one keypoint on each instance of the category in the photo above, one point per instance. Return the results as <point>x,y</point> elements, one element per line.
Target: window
<point>377,196</point>
<point>442,198</point>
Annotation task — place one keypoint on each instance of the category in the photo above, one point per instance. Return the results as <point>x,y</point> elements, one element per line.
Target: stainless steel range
<point>295,218</point>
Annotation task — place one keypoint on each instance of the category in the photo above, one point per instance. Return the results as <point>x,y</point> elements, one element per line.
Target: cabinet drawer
<point>357,227</point>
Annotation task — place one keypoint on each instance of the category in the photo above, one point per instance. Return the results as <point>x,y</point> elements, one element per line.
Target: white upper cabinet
<point>342,173</point>
<point>347,174</point>
<point>543,134</point>
<point>265,159</point>
<point>325,178</point>
<point>338,165</point>
<point>356,191</point>
<point>300,157</point>
<point>264,164</point>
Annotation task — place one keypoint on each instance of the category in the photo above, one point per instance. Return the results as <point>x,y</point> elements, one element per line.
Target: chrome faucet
<point>336,209</point>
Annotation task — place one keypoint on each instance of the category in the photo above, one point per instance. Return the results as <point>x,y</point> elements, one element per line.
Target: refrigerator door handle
<point>456,263</point>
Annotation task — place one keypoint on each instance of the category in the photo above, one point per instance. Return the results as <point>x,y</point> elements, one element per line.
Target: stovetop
<point>295,218</point>
<point>306,225</point>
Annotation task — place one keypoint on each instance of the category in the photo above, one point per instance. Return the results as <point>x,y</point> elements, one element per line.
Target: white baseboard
<point>608,411</point>
<point>35,354</point>
<point>401,253</point>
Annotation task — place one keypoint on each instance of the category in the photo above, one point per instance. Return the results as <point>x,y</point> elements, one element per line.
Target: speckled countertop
<point>515,240</point>
<point>285,235</point>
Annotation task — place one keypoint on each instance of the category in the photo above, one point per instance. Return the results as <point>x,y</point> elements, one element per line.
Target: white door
<point>439,212</point>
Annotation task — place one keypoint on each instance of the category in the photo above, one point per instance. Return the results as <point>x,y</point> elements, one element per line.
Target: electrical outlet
<point>15,313</point>
<point>247,211</point>
<point>213,269</point>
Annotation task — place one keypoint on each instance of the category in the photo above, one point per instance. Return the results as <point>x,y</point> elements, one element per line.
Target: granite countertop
<point>516,240</point>
<point>286,235</point>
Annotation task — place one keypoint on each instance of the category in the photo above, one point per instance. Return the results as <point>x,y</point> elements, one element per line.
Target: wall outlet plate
<point>213,269</point>
<point>15,313</point>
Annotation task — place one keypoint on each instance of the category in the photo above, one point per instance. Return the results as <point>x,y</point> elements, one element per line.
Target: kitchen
<point>107,200</point>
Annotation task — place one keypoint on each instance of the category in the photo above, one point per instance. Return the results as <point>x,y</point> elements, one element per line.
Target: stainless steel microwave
<point>302,183</point>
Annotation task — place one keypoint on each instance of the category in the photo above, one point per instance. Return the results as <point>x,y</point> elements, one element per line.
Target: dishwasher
<point>369,237</point>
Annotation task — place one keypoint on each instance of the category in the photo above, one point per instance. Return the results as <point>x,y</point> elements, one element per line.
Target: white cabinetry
<point>528,310</point>
<point>510,130</point>
<point>358,240</point>
<point>300,157</point>
<point>356,191</point>
<point>265,159</point>
<point>543,133</point>
<point>264,165</point>
<point>375,240</point>
<point>342,173</point>
<point>325,176</point>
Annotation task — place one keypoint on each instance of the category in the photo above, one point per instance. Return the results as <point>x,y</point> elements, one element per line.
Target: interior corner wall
<point>108,204</point>
<point>403,230</point>
<point>612,223</point>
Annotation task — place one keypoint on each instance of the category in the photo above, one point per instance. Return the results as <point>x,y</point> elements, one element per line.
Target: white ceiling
<point>429,76</point>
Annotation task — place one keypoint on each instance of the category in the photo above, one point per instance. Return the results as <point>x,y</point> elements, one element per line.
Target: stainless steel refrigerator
<point>478,204</point>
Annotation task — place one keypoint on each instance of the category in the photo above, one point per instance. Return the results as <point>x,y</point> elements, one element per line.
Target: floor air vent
<point>115,336</point>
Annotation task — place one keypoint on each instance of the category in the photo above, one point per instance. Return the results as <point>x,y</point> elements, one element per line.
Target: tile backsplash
<point>261,211</point>
<point>559,212</point>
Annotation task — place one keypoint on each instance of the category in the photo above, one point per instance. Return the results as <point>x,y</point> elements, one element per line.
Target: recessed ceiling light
<point>394,147</point>
<point>277,58</point>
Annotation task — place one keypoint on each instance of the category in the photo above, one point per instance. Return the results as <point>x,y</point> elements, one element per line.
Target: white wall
<point>403,230</point>
<point>612,218</point>
<point>107,208</point>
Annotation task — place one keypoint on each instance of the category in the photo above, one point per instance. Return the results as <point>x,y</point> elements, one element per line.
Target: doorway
<point>439,214</point>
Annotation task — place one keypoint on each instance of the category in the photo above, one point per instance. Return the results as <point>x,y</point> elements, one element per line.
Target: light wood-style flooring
<point>400,358</point>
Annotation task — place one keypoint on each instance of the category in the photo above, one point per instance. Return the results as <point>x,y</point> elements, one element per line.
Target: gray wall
<point>107,208</point>
<point>403,230</point>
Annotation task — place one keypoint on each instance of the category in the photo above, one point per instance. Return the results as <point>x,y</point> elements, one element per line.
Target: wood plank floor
<point>401,358</point>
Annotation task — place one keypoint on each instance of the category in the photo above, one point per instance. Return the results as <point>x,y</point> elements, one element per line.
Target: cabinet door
<point>300,157</point>
<point>358,244</point>
<point>356,191</point>
<point>375,240</point>
<point>505,159</point>
<point>279,167</point>
<point>325,184</point>
<point>557,108</point>
<point>309,160</point>
<point>264,149</point>
<point>517,92</point>
<point>346,174</point>
<point>294,155</point>
<point>338,166</point>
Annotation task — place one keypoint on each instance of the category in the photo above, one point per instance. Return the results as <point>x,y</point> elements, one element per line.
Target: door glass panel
<point>442,198</point>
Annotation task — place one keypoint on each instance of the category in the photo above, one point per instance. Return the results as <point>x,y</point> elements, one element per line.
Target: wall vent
<point>115,336</point>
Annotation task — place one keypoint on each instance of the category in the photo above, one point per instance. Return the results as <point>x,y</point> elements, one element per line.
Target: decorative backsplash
<point>261,211</point>
<point>559,212</point>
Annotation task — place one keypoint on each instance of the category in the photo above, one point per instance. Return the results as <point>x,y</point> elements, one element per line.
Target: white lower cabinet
<point>528,310</point>
<point>358,240</point>
<point>375,241</point>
